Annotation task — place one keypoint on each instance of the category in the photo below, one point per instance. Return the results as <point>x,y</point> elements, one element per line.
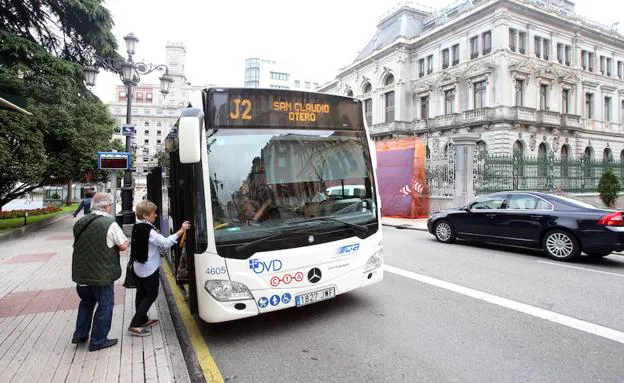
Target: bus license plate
<point>315,296</point>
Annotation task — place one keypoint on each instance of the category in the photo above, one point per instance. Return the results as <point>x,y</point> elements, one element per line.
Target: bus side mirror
<point>189,139</point>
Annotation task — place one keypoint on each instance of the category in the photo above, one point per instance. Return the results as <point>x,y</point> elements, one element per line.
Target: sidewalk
<point>38,307</point>
<point>405,223</point>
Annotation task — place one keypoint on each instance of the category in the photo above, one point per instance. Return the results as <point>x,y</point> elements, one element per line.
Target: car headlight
<point>223,290</point>
<point>374,261</point>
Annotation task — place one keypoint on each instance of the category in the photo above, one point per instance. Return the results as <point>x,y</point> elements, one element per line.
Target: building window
<point>543,97</point>
<point>158,142</point>
<point>591,60</point>
<point>560,53</point>
<point>522,42</point>
<point>146,123</point>
<point>609,67</point>
<point>280,76</point>
<point>429,64</point>
<point>546,49</point>
<point>512,39</point>
<point>607,109</point>
<point>445,59</point>
<point>589,112</point>
<point>474,47</point>
<point>619,69</point>
<point>146,141</point>
<point>603,65</point>
<point>147,111</point>
<point>538,46</point>
<point>159,132</point>
<point>455,50</point>
<point>368,111</point>
<point>139,96</point>
<point>421,67</point>
<point>315,85</point>
<point>487,42</point>
<point>568,55</point>
<point>607,156</point>
<point>307,84</point>
<point>424,107</point>
<point>159,111</point>
<point>584,60</point>
<point>479,95</point>
<point>389,96</point>
<point>148,97</point>
<point>146,131</point>
<point>449,101</point>
<point>519,92</point>
<point>297,84</point>
<point>565,101</point>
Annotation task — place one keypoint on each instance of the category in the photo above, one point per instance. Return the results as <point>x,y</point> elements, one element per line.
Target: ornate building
<point>152,114</point>
<point>525,75</point>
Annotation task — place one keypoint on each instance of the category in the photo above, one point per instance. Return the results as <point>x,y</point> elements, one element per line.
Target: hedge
<point>31,212</point>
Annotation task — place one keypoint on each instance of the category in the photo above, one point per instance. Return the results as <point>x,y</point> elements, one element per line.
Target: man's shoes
<point>150,323</point>
<point>78,340</point>
<point>108,343</point>
<point>139,331</point>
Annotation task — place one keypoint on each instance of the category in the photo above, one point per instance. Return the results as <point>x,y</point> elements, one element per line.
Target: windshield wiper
<point>268,237</point>
<point>359,228</point>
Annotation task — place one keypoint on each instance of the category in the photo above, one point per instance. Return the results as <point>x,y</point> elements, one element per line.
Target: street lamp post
<point>129,72</point>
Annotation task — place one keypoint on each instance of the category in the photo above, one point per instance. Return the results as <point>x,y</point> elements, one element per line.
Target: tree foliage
<point>609,187</point>
<point>42,44</point>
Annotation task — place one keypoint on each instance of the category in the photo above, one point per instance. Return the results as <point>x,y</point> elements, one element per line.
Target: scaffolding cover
<point>401,178</point>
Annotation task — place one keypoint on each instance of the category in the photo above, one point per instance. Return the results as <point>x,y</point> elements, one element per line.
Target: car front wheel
<point>561,245</point>
<point>444,231</point>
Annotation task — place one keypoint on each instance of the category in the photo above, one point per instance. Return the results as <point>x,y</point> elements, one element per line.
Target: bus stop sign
<point>113,160</point>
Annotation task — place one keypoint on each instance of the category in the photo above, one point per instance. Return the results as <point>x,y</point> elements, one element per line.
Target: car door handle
<point>491,215</point>
<point>536,216</point>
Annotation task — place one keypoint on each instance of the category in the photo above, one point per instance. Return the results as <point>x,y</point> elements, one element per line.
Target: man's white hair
<point>100,201</point>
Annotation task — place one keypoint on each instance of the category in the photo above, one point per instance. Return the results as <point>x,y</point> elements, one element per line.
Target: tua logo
<point>259,267</point>
<point>348,249</point>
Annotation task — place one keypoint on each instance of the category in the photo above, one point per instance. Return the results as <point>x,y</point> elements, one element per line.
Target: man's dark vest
<point>93,262</point>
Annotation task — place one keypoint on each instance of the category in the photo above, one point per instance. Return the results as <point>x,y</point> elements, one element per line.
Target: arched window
<point>622,156</point>
<point>349,93</point>
<point>589,152</point>
<point>389,79</point>
<point>448,149</point>
<point>367,88</point>
<point>481,147</point>
<point>427,152</point>
<point>542,160</point>
<point>565,157</point>
<point>518,148</point>
<point>607,156</point>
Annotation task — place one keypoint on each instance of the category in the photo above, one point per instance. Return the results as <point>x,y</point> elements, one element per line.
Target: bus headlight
<point>227,290</point>
<point>374,261</point>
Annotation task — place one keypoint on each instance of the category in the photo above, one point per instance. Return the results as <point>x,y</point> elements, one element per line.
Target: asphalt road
<point>440,326</point>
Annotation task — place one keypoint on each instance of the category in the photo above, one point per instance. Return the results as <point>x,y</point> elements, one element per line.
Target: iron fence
<point>440,172</point>
<point>540,173</point>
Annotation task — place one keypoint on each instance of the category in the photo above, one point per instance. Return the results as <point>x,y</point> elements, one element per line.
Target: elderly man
<point>95,267</point>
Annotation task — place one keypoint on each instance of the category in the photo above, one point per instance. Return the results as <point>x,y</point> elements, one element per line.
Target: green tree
<point>43,44</point>
<point>609,187</point>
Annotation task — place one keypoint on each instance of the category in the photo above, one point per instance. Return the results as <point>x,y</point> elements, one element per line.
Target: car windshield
<point>266,180</point>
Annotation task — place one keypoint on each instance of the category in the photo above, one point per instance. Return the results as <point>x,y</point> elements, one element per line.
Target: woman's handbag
<point>130,280</point>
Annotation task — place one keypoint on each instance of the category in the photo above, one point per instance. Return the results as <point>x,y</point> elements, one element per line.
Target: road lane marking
<point>581,268</point>
<point>551,316</point>
<point>207,363</point>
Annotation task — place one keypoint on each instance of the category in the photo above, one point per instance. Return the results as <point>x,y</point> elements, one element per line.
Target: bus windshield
<point>266,180</point>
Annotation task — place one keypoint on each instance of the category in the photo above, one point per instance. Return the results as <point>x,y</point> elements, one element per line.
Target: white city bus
<point>284,227</point>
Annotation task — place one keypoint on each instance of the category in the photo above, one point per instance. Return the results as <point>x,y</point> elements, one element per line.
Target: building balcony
<point>395,127</point>
<point>477,116</point>
<point>445,121</point>
<point>570,121</point>
<point>548,118</point>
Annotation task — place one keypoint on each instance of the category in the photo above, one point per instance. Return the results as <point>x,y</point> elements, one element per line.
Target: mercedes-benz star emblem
<point>314,275</point>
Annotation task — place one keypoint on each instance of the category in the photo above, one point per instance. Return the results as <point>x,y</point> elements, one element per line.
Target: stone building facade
<point>524,75</point>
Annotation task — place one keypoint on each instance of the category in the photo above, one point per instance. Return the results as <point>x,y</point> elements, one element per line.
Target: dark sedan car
<point>560,226</point>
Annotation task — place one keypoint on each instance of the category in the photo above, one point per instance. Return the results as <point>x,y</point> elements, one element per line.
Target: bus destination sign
<point>275,108</point>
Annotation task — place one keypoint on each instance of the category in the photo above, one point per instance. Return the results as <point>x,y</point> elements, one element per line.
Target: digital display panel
<point>263,108</point>
<point>114,161</point>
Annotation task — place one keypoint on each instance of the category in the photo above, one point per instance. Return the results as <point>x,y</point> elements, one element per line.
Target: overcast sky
<point>315,37</point>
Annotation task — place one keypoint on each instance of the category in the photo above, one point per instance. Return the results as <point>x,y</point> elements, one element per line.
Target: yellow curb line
<point>208,365</point>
